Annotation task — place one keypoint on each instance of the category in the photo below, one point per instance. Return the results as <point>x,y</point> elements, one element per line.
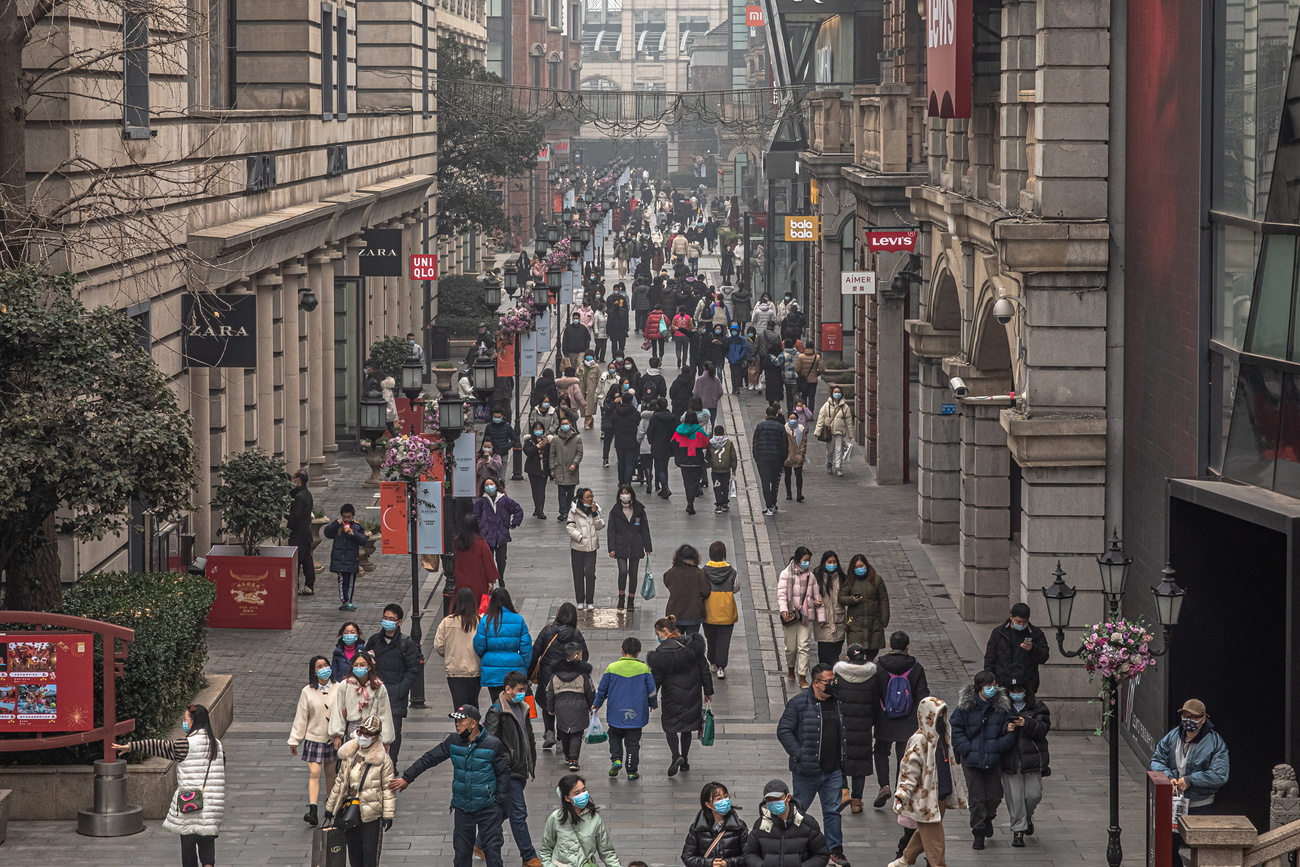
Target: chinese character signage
<point>832,337</point>
<point>46,682</point>
<point>949,35</point>
<point>392,517</point>
<point>857,282</point>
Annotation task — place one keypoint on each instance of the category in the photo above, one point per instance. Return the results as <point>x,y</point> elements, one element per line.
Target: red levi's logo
<point>885,241</point>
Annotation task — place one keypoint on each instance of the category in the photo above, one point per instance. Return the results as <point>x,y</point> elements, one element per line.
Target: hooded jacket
<point>867,619</point>
<point>625,420</point>
<point>569,695</point>
<point>720,606</point>
<point>503,724</point>
<point>630,690</point>
<point>663,424</point>
<point>497,517</point>
<point>794,840</point>
<point>1030,751</point>
<point>566,450</point>
<point>688,588</point>
<point>800,732</point>
<point>859,698</point>
<point>503,648</point>
<point>364,774</point>
<point>979,728</point>
<point>917,794</point>
<point>682,675</point>
<point>629,538</point>
<point>722,455</point>
<point>1004,650</point>
<point>764,312</point>
<point>899,729</point>
<point>480,770</point>
<point>700,836</point>
<point>1207,762</point>
<point>584,528</point>
<point>690,446</point>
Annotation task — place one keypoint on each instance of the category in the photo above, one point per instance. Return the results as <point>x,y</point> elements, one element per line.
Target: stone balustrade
<point>888,128</point>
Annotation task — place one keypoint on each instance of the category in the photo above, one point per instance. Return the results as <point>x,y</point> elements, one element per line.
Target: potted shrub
<point>256,582</point>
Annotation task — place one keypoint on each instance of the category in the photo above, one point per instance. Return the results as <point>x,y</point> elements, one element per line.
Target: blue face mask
<point>1017,696</point>
<point>566,428</point>
<point>546,404</point>
<point>489,489</point>
<point>860,571</point>
<point>496,420</point>
<point>804,564</point>
<point>1020,627</point>
<point>388,625</point>
<point>831,567</point>
<point>518,698</point>
<point>185,726</point>
<point>723,806</point>
<point>989,691</point>
<point>349,639</point>
<point>794,422</point>
<point>360,670</point>
<point>581,800</point>
<point>324,673</point>
<point>776,808</point>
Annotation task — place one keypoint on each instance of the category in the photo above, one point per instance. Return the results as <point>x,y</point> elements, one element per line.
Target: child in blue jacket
<point>628,685</point>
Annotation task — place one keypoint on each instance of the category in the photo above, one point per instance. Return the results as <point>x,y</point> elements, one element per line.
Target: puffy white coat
<point>190,774</point>
<point>584,530</point>
<point>311,720</point>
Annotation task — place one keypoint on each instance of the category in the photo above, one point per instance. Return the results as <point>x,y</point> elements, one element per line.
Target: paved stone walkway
<point>648,818</point>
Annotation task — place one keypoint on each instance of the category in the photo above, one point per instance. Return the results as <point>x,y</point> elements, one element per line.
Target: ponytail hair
<point>669,623</point>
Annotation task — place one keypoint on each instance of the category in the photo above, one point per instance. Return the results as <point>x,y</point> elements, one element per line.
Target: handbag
<point>706,729</point>
<point>351,818</point>
<point>537,665</point>
<point>825,435</point>
<point>191,800</point>
<point>328,848</point>
<point>648,583</point>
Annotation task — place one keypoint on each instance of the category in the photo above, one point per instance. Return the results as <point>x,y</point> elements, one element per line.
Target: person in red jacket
<point>656,331</point>
<point>476,567</point>
<point>691,451</point>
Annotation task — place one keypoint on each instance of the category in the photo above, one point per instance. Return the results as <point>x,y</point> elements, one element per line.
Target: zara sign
<point>382,255</point>
<point>949,35</point>
<point>219,330</point>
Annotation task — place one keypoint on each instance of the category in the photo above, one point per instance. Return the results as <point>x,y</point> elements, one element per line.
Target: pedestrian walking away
<point>502,642</point>
<point>660,430</point>
<point>301,506</point>
<point>1017,642</point>
<point>723,461</point>
<point>865,600</point>
<point>200,767</point>
<point>718,834</point>
<point>365,776</point>
<point>858,693</point>
<point>454,642</point>
<point>720,612</point>
<point>628,541</point>
<point>812,733</point>
<point>345,553</point>
<point>548,652</point>
<point>771,448</point>
<point>397,664</point>
<point>691,451</point>
<point>575,835</point>
<point>901,684</point>
<point>569,694</point>
<point>311,732</point>
<point>508,721</point>
<point>829,631</point>
<point>784,836</point>
<point>981,737</point>
<point>681,674</point>
<point>1195,758</point>
<point>584,526</point>
<point>928,785</point>
<point>360,695</point>
<point>497,515</point>
<point>480,785</point>
<point>1025,764</point>
<point>629,687</point>
<point>799,606</point>
<point>688,589</point>
<point>476,568</point>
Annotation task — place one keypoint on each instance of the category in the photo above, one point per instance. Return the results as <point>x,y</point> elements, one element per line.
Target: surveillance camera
<point>1004,310</point>
<point>958,386</point>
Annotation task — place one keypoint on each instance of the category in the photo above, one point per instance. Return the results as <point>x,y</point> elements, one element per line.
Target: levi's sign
<point>885,241</point>
<point>949,37</point>
<point>424,266</point>
<point>802,228</point>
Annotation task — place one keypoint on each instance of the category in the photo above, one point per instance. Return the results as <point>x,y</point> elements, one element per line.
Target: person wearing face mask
<point>537,466</point>
<point>836,425</point>
<point>928,785</point>
<point>829,631</point>
<point>508,721</point>
<point>866,606</point>
<point>397,664</point>
<point>488,464</point>
<point>361,694</point>
<point>583,526</point>
<point>575,835</point>
<point>691,453</point>
<point>981,737</point>
<point>717,836</point>
<point>628,541</point>
<point>1195,758</point>
<point>349,644</point>
<point>311,724</point>
<point>799,604</point>
<point>796,453</point>
<point>1017,642</point>
<point>345,554</point>
<point>589,376</point>
<point>575,340</point>
<point>544,415</point>
<point>1025,765</point>
<point>569,693</point>
<point>736,350</point>
<point>784,836</point>
<point>500,433</point>
<point>480,785</point>
<point>617,324</point>
<point>497,515</point>
<point>366,774</point>
<point>566,457</point>
<point>813,735</point>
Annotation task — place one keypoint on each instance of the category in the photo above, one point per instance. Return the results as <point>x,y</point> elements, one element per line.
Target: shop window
<point>1273,297</point>
<point>1253,433</point>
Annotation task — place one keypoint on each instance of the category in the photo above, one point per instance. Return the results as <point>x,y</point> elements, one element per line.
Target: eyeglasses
<point>824,681</point>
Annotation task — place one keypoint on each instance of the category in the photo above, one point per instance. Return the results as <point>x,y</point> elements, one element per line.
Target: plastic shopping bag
<point>648,582</point>
<point>706,730</point>
<point>595,731</point>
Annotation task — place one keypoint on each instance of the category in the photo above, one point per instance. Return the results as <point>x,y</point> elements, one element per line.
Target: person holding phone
<point>1017,642</point>
<point>1025,764</point>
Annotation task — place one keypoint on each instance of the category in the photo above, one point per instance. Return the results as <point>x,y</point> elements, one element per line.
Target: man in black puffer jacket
<point>981,737</point>
<point>1025,764</point>
<point>859,698</point>
<point>811,731</point>
<point>783,836</point>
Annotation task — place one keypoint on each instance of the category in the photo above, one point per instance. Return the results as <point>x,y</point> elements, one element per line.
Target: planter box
<point>259,592</point>
<point>57,792</point>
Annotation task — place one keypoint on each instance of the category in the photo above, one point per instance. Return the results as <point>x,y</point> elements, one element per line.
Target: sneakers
<point>899,862</point>
<point>722,674</point>
<point>559,517</point>
<point>717,510</point>
<point>633,775</point>
<point>838,858</point>
<point>799,499</point>
<point>828,469</point>
<point>478,853</point>
<point>615,768</point>
<point>306,591</point>
<point>882,797</point>
<point>573,765</point>
<point>839,472</point>
<point>767,513</point>
<point>1018,839</point>
<point>1030,829</point>
<point>347,606</point>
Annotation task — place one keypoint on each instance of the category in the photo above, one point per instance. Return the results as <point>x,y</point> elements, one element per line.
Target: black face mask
<point>465,735</point>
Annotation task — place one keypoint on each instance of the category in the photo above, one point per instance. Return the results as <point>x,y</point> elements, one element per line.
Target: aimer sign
<point>858,283</point>
<point>803,228</point>
<point>424,266</point>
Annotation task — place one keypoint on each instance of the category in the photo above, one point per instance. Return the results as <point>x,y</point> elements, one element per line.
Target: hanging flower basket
<point>516,320</point>
<point>408,458</point>
<point>559,255</point>
<point>1116,650</point>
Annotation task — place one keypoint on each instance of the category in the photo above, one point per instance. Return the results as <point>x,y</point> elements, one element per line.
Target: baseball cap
<point>775,789</point>
<point>466,711</point>
<point>1193,707</point>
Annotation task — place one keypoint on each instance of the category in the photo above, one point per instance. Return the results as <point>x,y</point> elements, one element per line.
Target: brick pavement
<point>647,818</point>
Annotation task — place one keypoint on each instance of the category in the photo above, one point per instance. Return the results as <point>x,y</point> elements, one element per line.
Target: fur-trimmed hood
<point>966,699</point>
<point>855,672</point>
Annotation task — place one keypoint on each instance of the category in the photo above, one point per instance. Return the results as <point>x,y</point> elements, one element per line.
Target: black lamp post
<point>553,234</point>
<point>541,295</point>
<point>485,377</point>
<point>451,423</point>
<point>492,290</point>
<point>1059,598</point>
<point>372,415</point>
<point>543,243</point>
<point>412,379</point>
<point>511,279</point>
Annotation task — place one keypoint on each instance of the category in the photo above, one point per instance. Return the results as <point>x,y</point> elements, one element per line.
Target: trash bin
<point>439,342</point>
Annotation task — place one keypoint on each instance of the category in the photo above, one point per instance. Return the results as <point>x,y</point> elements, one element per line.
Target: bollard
<point>111,816</point>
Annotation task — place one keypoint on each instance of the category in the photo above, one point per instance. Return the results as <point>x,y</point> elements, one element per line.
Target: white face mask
<point>365,740</point>
<point>625,498</point>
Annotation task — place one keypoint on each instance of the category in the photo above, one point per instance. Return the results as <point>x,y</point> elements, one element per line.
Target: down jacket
<point>917,794</point>
<point>363,774</point>
<point>570,694</point>
<point>584,528</point>
<point>859,698</point>
<point>979,729</point>
<point>1207,762</point>
<point>548,650</point>
<point>867,618</point>
<point>480,770</point>
<point>190,774</point>
<point>800,732</point>
<point>345,553</point>
<point>497,517</point>
<point>681,674</point>
<point>1030,751</point>
<point>567,845</point>
<point>503,648</point>
<point>688,589</point>
<point>629,538</point>
<point>796,841</point>
<point>700,836</point>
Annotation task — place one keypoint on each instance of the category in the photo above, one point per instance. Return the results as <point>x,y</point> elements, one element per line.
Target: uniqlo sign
<point>754,17</point>
<point>949,35</point>
<point>424,267</point>
<point>884,242</point>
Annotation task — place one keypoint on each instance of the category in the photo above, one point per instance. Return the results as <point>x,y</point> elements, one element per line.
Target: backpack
<point>898,696</point>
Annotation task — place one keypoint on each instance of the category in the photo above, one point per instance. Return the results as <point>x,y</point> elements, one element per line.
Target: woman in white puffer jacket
<point>584,526</point>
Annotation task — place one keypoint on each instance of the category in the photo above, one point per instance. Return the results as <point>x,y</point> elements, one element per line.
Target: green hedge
<point>461,307</point>
<point>164,668</point>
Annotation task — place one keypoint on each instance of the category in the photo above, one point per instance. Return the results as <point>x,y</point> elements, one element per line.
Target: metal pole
<point>1114,849</point>
<point>417,631</point>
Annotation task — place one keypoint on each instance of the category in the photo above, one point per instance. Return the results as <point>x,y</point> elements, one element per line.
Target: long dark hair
<point>708,793</point>
<point>577,500</point>
<point>568,813</point>
<point>465,607</point>
<point>469,532</point>
<point>799,553</point>
<point>685,553</point>
<point>498,602</point>
<point>312,679</point>
<point>851,577</point>
<point>626,489</point>
<point>823,577</point>
<point>199,721</point>
<point>567,615</point>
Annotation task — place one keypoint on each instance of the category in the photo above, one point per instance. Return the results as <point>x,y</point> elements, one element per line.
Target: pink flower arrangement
<point>517,320</point>
<point>559,255</point>
<point>1116,649</point>
<point>408,458</point>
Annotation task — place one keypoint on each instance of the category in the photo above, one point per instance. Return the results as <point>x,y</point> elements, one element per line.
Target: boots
<point>803,682</point>
<point>789,673</point>
<point>591,422</point>
<point>856,804</point>
<point>310,816</point>
<point>622,600</point>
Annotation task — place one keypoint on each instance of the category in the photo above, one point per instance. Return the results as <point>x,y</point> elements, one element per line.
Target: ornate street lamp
<point>451,415</point>
<point>512,278</point>
<point>553,234</point>
<point>1114,572</point>
<point>541,296</point>
<point>1059,599</point>
<point>1169,600</point>
<point>553,279</point>
<point>412,378</point>
<point>567,216</point>
<point>543,244</point>
<point>372,417</point>
<point>485,376</point>
<point>492,290</point>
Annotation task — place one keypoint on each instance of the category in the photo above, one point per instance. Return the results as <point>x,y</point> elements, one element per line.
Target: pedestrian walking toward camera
<point>1017,642</point>
<point>812,733</point>
<point>796,435</point>
<point>346,650</point>
<point>858,693</point>
<point>866,606</point>
<point>630,690</point>
<point>298,524</point>
<point>589,375</point>
<point>361,694</point>
<point>548,652</point>
<point>1025,764</point>
<point>397,664</point>
<point>537,466</point>
<point>784,836</point>
<point>502,642</point>
<point>575,835</point>
<point>480,785</point>
<point>345,553</point>
<point>566,457</point>
<point>628,541</point>
<point>691,451</point>
<point>688,588</point>
<point>799,606</point>
<point>902,685</point>
<point>311,731</point>
<point>454,642</point>
<point>717,836</point>
<point>584,526</point>
<point>681,673</point>
<point>981,736</point>
<point>722,462</point>
<point>569,694</point>
<point>771,449</point>
<point>497,515</point>
<point>1195,758</point>
<point>201,769</point>
<point>829,631</point>
<point>928,785</point>
<point>720,613</point>
<point>835,420</point>
<point>508,721</point>
<point>365,775</point>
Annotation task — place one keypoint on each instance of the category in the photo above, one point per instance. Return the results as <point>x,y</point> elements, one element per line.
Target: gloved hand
<point>328,820</point>
<point>386,824</point>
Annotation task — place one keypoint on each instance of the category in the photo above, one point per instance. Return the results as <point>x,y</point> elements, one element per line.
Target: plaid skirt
<point>321,754</point>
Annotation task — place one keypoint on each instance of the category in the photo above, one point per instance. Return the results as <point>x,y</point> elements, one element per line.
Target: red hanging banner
<point>506,357</point>
<point>392,517</point>
<point>949,39</point>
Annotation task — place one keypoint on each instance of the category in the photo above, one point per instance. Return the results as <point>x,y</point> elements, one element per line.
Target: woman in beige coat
<point>836,418</point>
<point>929,784</point>
<point>829,631</point>
<point>311,731</point>
<point>365,772</point>
<point>360,695</point>
<point>796,451</point>
<point>454,642</point>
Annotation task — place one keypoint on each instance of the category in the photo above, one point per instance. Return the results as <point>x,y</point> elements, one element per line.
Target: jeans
<point>694,264</point>
<point>626,465</point>
<point>826,786</point>
<point>566,497</point>
<point>363,844</point>
<point>584,575</point>
<point>347,583</point>
<point>693,481</point>
<point>718,637</point>
<point>517,812</point>
<point>199,850</point>
<point>769,478</point>
<point>464,690</point>
<point>629,573</point>
<point>1023,792</point>
<point>661,473</point>
<point>483,825</point>
<point>625,739</point>
<point>984,787</point>
<point>881,754</point>
<point>721,489</point>
<point>538,483</point>
<point>798,480</point>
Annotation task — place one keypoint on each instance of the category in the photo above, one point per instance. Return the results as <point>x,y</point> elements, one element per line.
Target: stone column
<point>200,410</point>
<point>985,522</point>
<point>938,453</point>
<point>328,269</point>
<point>267,284</point>
<point>320,324</point>
<point>891,447</point>
<point>293,273</point>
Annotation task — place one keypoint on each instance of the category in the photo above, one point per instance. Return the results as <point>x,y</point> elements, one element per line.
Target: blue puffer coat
<point>345,554</point>
<point>800,732</point>
<point>1207,761</point>
<point>480,770</point>
<point>979,729</point>
<point>504,648</point>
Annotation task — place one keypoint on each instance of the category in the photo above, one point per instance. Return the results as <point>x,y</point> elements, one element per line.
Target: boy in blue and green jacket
<point>630,688</point>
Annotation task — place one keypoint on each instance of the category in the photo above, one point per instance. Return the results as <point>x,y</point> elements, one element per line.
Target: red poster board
<point>46,682</point>
<point>410,419</point>
<point>253,592</point>
<point>392,517</point>
<point>949,40</point>
<point>1160,820</point>
<point>832,337</point>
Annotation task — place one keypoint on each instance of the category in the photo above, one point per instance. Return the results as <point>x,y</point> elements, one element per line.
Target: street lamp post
<point>517,453</point>
<point>1059,599</point>
<point>451,422</point>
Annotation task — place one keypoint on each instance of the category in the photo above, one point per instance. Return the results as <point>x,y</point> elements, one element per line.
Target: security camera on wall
<point>958,386</point>
<point>1004,310</point>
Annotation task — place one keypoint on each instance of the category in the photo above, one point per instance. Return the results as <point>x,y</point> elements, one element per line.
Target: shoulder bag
<point>351,817</point>
<point>713,845</point>
<point>191,800</point>
<point>537,664</point>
